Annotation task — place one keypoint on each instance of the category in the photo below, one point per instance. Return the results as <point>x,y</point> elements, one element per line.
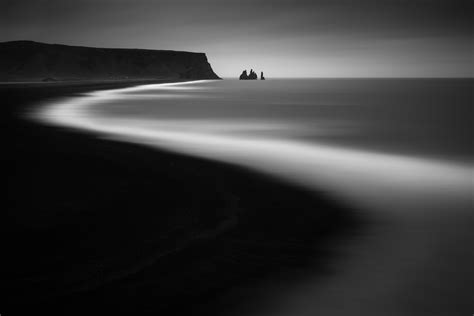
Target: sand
<point>94,225</point>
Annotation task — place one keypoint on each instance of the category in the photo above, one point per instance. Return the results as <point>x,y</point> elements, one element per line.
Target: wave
<point>425,201</point>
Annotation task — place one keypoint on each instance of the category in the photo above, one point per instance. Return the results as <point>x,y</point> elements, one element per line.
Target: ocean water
<point>399,150</point>
<point>415,117</point>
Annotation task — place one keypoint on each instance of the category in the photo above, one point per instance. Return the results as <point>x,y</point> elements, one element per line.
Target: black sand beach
<point>95,226</point>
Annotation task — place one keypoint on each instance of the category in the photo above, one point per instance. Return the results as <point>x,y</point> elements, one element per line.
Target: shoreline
<point>40,156</point>
<point>420,207</point>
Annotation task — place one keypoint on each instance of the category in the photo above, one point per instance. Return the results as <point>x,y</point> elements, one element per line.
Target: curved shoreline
<point>423,202</point>
<point>174,246</point>
<point>72,164</point>
<point>328,166</point>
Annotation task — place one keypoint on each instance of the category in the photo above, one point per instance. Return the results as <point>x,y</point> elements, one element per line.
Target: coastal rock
<point>33,61</point>
<point>251,76</point>
<point>261,76</point>
<point>244,75</point>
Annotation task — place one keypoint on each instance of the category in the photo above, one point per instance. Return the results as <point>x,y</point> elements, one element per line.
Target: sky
<point>283,38</point>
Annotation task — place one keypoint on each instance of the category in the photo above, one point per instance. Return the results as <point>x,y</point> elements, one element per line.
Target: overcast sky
<point>291,38</point>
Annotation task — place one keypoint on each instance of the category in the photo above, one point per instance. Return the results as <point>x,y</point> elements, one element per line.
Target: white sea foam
<point>365,176</point>
<point>425,203</point>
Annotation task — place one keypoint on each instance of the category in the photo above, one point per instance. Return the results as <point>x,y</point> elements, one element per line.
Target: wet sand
<point>414,259</point>
<point>94,225</point>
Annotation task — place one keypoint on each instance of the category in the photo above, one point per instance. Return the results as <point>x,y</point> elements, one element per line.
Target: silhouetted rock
<point>33,61</point>
<point>261,76</point>
<point>251,76</point>
<point>244,75</point>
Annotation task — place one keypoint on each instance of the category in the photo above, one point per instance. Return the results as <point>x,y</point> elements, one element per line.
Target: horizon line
<point>360,77</point>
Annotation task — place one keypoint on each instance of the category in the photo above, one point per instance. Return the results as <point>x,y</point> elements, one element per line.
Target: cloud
<point>235,32</point>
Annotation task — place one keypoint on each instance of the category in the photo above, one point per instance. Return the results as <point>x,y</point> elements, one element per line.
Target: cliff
<point>33,61</point>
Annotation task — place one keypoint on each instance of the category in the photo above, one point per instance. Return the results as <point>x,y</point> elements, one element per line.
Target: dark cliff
<point>33,61</point>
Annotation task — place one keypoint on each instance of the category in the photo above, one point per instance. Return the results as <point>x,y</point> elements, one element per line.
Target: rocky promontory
<point>33,61</point>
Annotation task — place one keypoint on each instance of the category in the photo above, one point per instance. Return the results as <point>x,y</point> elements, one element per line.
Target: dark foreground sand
<point>96,226</point>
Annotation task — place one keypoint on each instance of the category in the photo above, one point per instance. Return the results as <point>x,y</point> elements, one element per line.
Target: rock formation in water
<point>251,76</point>
<point>261,76</point>
<point>33,61</point>
<point>244,75</point>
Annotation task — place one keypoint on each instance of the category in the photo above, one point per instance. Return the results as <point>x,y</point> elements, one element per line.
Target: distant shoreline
<point>42,62</point>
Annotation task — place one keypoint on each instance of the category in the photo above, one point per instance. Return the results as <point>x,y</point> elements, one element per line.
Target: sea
<point>399,150</point>
<point>418,117</point>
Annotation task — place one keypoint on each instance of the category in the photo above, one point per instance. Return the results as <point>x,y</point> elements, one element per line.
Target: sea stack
<point>244,75</point>
<point>261,76</point>
<point>251,76</point>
